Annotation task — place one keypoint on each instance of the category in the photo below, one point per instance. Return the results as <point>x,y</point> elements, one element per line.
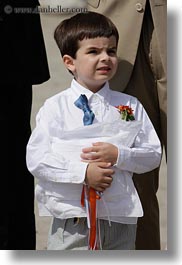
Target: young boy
<point>80,145</point>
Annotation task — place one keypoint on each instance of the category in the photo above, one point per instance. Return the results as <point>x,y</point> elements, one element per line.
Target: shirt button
<point>139,7</point>
<point>95,98</point>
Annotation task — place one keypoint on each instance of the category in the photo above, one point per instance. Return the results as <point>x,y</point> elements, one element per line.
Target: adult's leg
<point>148,231</point>
<point>144,85</point>
<point>18,198</point>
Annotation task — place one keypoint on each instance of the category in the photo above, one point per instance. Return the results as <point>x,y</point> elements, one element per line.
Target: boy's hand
<point>100,152</point>
<point>99,175</point>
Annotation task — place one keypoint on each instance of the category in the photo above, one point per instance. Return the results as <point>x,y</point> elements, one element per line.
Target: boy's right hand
<point>99,175</point>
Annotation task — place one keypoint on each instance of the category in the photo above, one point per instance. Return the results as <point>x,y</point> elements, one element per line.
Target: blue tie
<point>82,103</point>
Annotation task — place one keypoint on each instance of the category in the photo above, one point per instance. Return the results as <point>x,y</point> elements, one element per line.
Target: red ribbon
<point>92,197</point>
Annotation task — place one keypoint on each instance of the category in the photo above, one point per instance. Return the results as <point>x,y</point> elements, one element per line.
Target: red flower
<point>126,112</point>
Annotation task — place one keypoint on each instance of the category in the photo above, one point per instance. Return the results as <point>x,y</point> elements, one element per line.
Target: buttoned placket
<point>98,106</point>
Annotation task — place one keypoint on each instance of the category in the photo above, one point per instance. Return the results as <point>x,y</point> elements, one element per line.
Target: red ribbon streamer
<point>92,197</point>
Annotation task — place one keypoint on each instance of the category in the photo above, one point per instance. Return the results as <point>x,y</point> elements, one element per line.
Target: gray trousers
<point>72,234</point>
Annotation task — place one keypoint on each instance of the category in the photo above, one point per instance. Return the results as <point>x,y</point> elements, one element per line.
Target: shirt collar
<point>78,89</point>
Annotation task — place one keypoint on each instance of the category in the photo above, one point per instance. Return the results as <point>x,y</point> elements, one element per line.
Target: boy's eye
<point>92,51</point>
<point>111,51</point>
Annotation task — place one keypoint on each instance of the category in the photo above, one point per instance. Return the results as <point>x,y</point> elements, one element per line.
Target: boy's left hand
<point>100,152</point>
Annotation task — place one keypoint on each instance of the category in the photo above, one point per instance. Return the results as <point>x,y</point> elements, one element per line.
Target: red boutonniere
<point>126,113</point>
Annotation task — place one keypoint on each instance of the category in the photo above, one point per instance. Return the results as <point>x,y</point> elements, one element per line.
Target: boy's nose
<point>105,56</point>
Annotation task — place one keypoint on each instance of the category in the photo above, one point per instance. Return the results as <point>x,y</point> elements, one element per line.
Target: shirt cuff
<point>123,154</point>
<point>77,172</point>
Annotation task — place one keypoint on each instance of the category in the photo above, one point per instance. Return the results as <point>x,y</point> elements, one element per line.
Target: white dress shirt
<point>54,148</point>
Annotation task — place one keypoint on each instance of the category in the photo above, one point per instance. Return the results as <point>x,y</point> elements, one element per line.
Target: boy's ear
<point>69,62</point>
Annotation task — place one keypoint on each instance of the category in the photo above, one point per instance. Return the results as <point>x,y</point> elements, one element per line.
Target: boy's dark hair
<point>83,25</point>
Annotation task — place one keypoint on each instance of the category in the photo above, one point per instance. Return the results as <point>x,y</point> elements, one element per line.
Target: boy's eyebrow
<point>96,47</point>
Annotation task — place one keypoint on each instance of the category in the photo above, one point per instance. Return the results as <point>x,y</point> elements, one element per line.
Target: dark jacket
<point>22,50</point>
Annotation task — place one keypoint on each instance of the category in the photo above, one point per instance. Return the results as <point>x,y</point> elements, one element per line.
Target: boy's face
<point>96,62</point>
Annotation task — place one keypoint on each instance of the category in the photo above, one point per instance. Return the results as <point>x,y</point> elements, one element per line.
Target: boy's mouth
<point>104,68</point>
